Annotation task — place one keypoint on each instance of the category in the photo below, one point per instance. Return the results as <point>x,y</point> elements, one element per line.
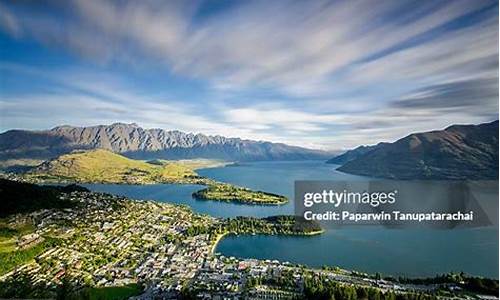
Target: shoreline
<point>317,232</point>
<point>222,235</point>
<point>215,165</point>
<point>242,202</point>
<point>217,240</point>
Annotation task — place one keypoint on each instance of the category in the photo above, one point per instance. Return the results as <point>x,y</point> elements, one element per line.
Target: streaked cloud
<point>471,95</point>
<point>327,74</point>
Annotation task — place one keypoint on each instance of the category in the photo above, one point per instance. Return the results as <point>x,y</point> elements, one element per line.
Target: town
<point>153,250</point>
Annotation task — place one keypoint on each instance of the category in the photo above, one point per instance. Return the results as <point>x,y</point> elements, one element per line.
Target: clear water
<point>408,252</point>
<point>405,252</point>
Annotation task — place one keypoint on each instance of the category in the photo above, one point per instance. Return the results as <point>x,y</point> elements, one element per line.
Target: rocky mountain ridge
<point>134,141</point>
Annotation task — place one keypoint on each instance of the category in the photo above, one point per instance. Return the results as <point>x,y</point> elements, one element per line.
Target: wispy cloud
<point>335,73</point>
<point>257,41</point>
<point>471,95</point>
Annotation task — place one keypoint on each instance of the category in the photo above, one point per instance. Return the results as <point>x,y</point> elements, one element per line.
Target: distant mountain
<point>136,142</point>
<point>350,155</point>
<point>458,152</point>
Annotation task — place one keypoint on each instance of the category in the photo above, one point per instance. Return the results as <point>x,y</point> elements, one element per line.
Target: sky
<point>321,74</point>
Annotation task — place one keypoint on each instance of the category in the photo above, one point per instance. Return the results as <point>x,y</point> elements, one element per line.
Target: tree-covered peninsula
<point>231,193</point>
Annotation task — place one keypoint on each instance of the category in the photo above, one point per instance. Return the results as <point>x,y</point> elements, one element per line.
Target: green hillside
<point>108,167</point>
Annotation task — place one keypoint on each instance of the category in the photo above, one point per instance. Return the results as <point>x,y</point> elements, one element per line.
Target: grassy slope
<point>105,166</point>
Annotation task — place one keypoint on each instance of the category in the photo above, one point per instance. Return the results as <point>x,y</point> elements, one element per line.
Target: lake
<point>406,252</point>
<point>275,177</point>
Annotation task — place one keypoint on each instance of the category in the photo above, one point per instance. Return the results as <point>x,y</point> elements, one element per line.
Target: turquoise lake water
<point>406,252</point>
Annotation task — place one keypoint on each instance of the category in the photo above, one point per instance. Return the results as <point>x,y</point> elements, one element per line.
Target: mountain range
<point>457,152</point>
<point>136,142</point>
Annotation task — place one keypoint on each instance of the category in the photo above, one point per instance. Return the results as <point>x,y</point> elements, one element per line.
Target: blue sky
<point>321,74</point>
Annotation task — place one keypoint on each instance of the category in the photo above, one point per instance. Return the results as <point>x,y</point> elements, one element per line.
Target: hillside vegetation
<point>107,167</point>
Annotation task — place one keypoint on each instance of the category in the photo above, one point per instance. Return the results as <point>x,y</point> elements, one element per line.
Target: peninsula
<point>231,193</point>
